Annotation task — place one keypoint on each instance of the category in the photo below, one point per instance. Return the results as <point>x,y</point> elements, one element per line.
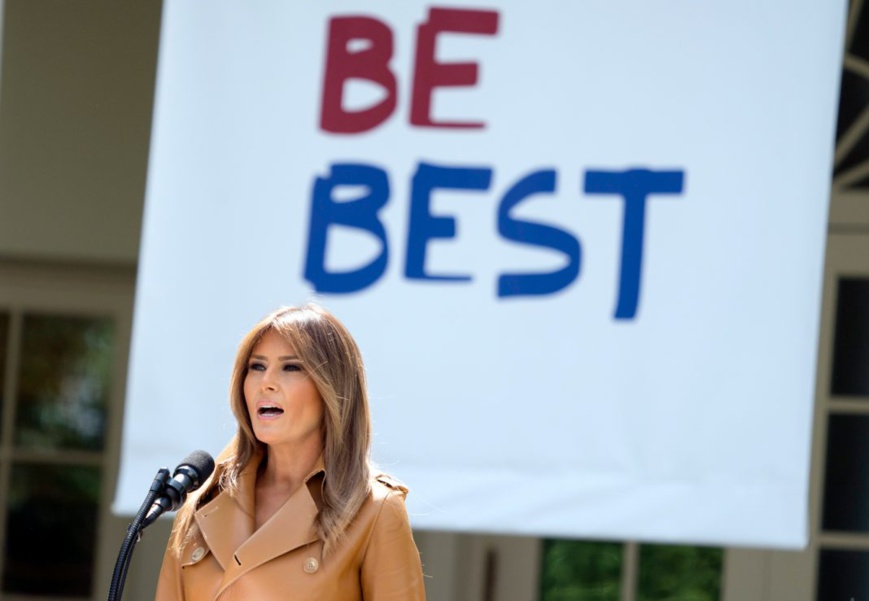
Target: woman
<point>292,510</point>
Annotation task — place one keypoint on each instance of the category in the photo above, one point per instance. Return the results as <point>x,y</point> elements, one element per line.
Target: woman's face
<point>282,400</point>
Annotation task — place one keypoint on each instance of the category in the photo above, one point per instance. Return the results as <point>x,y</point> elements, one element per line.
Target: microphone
<point>189,475</point>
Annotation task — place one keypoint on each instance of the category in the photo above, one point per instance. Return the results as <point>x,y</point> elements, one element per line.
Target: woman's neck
<point>283,474</point>
<point>287,466</point>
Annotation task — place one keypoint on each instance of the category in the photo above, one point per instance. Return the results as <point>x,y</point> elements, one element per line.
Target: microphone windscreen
<point>201,462</point>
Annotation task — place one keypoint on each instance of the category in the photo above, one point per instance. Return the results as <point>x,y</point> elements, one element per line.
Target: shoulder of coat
<point>195,548</point>
<point>388,483</point>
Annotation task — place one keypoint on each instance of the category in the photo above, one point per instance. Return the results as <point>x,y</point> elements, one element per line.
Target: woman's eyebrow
<point>283,358</point>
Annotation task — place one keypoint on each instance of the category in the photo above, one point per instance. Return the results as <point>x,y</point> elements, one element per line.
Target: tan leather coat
<point>228,560</point>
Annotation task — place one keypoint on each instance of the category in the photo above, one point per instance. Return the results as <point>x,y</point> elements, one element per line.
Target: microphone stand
<point>134,531</point>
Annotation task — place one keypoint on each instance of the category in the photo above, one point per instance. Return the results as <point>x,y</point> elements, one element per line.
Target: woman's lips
<point>268,410</point>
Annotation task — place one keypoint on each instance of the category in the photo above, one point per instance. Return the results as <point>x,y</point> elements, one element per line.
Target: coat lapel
<point>227,524</point>
<point>292,526</point>
<point>227,521</point>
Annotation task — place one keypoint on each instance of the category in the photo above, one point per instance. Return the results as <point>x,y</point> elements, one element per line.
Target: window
<point>60,379</point>
<point>62,355</point>
<point>843,553</point>
<point>606,571</point>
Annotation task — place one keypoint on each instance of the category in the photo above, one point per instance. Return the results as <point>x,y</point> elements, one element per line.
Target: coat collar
<point>227,523</point>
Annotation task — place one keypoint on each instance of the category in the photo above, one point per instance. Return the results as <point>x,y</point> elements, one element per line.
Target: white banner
<point>579,243</point>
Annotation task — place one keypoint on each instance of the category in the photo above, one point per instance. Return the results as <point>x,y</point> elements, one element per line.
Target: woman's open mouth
<point>269,411</point>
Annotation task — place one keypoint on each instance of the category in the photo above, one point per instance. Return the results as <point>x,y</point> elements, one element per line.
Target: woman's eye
<point>255,366</point>
<point>292,367</point>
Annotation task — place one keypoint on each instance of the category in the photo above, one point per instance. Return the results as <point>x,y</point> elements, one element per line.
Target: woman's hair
<point>332,360</point>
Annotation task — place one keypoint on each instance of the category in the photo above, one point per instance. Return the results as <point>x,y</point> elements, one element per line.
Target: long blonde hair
<point>332,359</point>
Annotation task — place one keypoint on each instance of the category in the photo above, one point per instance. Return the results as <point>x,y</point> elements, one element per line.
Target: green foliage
<point>581,571</point>
<point>679,573</point>
<point>591,571</point>
<point>63,382</point>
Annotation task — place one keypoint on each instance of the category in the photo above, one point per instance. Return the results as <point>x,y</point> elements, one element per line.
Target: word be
<point>371,63</point>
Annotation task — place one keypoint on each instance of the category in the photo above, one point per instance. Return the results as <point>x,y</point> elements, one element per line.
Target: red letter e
<point>430,74</point>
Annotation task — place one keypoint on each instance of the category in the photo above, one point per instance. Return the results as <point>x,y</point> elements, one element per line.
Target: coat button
<point>198,553</point>
<point>311,565</point>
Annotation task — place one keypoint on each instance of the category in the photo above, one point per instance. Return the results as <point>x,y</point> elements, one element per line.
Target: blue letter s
<point>535,234</point>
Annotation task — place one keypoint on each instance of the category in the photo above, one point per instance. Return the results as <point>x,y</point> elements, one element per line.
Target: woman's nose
<point>268,380</point>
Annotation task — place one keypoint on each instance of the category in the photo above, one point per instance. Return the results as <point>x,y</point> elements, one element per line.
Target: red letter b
<point>370,63</point>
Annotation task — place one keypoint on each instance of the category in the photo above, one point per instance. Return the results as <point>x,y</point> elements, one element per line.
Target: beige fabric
<point>227,559</point>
